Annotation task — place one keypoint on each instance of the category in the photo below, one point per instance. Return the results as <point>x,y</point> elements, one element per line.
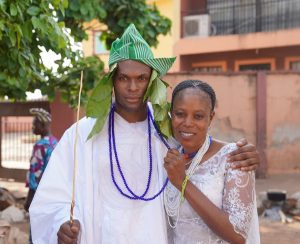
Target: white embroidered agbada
<point>230,190</point>
<point>105,215</point>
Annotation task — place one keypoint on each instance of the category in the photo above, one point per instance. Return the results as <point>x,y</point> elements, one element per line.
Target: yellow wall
<point>165,46</point>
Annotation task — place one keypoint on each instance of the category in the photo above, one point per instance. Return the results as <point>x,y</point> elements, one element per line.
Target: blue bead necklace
<point>113,151</point>
<point>193,154</point>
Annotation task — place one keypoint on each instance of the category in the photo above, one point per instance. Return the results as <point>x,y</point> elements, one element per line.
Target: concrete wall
<point>236,114</point>
<point>283,122</point>
<point>17,124</point>
<point>63,116</point>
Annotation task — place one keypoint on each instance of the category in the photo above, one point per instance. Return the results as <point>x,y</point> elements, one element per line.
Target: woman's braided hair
<point>196,84</point>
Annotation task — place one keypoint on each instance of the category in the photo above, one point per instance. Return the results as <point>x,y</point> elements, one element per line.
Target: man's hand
<point>67,233</point>
<point>245,157</point>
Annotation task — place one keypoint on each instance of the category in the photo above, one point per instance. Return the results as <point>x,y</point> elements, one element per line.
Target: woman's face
<point>191,118</point>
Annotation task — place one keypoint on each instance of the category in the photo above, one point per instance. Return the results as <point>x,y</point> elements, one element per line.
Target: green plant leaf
<point>1,25</point>
<point>156,93</point>
<point>33,10</point>
<point>102,93</point>
<point>27,31</point>
<point>165,127</point>
<point>100,102</point>
<point>149,91</point>
<point>13,9</point>
<point>159,92</point>
<point>99,123</point>
<point>12,37</point>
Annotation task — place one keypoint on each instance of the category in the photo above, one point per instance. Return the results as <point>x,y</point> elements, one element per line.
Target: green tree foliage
<point>27,26</point>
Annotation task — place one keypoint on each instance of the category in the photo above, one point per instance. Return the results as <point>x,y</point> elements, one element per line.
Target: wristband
<point>183,186</point>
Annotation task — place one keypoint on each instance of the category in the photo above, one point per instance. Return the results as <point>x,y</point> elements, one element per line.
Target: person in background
<point>208,201</point>
<point>41,152</point>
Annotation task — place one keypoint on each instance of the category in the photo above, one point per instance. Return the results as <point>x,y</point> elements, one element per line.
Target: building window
<point>255,65</point>
<point>292,63</point>
<point>218,66</point>
<point>295,65</point>
<point>99,46</point>
<point>208,69</point>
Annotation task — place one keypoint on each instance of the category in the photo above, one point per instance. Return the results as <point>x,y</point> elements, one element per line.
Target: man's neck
<point>133,116</point>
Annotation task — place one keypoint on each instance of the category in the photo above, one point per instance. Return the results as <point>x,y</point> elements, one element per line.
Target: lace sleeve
<point>238,199</point>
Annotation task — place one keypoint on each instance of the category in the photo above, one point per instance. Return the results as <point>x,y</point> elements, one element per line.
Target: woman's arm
<point>231,222</point>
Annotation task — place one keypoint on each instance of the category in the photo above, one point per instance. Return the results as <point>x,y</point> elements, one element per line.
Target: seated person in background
<point>208,201</point>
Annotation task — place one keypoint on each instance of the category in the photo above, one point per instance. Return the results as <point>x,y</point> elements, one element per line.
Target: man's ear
<point>115,72</point>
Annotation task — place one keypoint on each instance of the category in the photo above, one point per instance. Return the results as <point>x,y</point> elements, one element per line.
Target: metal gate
<point>16,137</point>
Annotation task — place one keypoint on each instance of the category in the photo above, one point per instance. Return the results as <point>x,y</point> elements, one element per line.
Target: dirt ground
<point>275,231</point>
<point>270,231</point>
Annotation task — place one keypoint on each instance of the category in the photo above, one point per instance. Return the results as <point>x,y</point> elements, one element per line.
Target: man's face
<point>130,84</point>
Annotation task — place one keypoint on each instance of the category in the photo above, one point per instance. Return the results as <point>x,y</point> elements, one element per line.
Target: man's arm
<point>245,157</point>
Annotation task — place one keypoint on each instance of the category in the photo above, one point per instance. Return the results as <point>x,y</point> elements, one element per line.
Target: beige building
<point>238,35</point>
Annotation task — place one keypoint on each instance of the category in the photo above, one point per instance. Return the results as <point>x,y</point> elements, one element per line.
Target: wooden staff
<point>75,143</point>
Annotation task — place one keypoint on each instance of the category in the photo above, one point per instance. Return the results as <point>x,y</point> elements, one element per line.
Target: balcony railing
<point>238,17</point>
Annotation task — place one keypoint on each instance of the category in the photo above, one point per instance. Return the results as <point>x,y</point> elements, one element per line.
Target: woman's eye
<point>198,116</point>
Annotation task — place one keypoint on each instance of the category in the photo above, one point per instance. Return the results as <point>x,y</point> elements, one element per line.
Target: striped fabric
<point>132,46</point>
<point>41,114</point>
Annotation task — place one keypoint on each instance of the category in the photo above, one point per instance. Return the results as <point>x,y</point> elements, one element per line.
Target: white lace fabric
<point>231,190</point>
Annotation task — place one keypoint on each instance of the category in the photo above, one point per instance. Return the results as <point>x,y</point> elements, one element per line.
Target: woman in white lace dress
<point>207,202</point>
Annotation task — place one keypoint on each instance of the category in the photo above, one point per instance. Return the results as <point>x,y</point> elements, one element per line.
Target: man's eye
<point>179,114</point>
<point>143,78</point>
<point>122,78</point>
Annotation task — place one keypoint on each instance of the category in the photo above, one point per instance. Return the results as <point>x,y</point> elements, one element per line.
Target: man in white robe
<point>102,214</point>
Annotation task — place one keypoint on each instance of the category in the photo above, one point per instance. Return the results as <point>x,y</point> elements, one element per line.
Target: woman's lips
<point>186,134</point>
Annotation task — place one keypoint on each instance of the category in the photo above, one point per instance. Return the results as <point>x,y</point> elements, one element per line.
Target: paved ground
<point>271,232</point>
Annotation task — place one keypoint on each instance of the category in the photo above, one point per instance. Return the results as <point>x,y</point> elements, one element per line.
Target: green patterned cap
<point>133,46</point>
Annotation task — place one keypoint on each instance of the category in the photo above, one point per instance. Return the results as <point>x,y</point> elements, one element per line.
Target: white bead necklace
<point>172,197</point>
